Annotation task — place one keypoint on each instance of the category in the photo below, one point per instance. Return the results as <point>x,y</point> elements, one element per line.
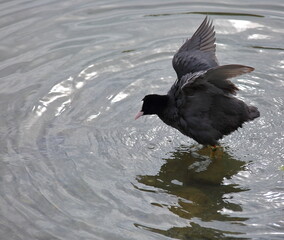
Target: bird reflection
<point>198,182</point>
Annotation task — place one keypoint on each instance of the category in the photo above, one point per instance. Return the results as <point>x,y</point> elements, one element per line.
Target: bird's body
<point>201,103</point>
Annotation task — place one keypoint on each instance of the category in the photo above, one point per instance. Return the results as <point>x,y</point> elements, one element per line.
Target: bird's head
<point>152,104</point>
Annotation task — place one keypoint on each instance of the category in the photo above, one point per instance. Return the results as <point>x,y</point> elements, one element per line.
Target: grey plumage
<point>198,52</point>
<point>200,104</point>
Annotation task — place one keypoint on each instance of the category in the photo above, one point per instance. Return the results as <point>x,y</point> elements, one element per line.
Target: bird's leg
<point>213,150</point>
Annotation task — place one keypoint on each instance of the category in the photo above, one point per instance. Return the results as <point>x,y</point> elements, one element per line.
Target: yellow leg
<point>214,149</point>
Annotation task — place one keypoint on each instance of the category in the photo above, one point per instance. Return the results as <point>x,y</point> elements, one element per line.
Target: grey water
<point>73,162</point>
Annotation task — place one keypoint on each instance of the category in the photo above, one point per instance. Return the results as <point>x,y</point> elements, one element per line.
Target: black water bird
<point>201,103</point>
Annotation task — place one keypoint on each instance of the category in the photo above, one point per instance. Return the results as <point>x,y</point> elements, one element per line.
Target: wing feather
<point>198,52</point>
<point>217,76</point>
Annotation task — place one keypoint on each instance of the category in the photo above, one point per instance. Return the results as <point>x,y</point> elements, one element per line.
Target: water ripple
<point>75,164</point>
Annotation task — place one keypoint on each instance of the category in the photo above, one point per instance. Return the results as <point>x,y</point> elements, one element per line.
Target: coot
<point>201,103</point>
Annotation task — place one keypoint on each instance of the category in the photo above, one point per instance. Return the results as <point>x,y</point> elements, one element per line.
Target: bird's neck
<point>163,104</point>
<point>168,111</point>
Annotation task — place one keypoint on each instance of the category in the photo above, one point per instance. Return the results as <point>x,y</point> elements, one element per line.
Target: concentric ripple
<point>75,164</point>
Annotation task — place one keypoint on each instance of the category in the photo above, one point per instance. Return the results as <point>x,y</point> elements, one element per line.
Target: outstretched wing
<point>216,77</point>
<point>198,52</point>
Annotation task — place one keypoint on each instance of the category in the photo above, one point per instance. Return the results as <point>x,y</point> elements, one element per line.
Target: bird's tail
<point>253,112</point>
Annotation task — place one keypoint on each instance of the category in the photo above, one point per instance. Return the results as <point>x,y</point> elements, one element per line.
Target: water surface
<point>74,163</point>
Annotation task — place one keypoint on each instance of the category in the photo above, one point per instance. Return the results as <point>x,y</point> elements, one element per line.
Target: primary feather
<point>198,52</point>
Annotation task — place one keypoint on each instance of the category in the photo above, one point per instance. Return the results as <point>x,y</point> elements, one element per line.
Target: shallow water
<point>75,164</point>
